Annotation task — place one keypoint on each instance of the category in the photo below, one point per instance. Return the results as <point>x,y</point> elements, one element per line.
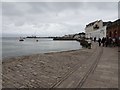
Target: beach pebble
<point>32,80</point>
<point>59,76</point>
<point>18,71</point>
<point>68,67</point>
<point>35,63</point>
<point>19,65</point>
<point>34,73</point>
<point>22,87</point>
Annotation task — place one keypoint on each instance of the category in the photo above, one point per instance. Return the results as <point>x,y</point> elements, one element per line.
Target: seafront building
<point>100,29</point>
<point>113,29</point>
<point>96,29</point>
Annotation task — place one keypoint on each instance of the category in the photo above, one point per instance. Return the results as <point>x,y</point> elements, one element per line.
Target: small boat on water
<point>21,39</point>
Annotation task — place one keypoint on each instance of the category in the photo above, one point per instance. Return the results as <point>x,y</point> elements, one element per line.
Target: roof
<point>92,23</point>
<point>107,23</point>
<point>117,22</point>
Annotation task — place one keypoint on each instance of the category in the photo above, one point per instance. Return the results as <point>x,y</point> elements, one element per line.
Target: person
<point>114,44</point>
<point>99,41</point>
<point>103,41</point>
<point>110,41</point>
<point>116,41</point>
<point>107,41</point>
<point>94,39</point>
<point>89,43</point>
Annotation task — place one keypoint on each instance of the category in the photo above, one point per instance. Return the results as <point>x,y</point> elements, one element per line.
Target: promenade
<point>86,68</point>
<point>106,72</point>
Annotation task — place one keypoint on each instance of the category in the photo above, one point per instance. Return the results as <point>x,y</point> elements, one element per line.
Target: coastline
<point>7,59</point>
<point>67,69</point>
<point>47,68</point>
<point>29,47</point>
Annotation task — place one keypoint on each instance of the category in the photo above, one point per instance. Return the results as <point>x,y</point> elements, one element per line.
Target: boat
<point>21,39</point>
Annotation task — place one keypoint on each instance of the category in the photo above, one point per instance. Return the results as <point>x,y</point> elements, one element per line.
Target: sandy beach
<point>41,70</point>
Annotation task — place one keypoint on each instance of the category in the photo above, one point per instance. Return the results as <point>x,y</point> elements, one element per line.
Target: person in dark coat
<point>99,41</point>
<point>107,41</point>
<point>94,39</point>
<point>110,41</point>
<point>103,41</point>
<point>116,41</point>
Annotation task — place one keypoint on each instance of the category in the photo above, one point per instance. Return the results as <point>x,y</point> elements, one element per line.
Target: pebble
<point>32,80</point>
<point>18,71</point>
<point>34,73</point>
<point>35,63</point>
<point>59,76</point>
<point>22,87</point>
<point>19,65</point>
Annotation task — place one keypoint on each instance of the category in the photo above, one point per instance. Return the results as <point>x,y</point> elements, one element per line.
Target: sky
<point>53,18</point>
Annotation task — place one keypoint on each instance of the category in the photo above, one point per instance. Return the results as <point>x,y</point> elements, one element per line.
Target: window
<point>96,27</point>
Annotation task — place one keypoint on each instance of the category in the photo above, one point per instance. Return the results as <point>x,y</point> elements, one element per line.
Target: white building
<point>99,33</point>
<point>96,29</point>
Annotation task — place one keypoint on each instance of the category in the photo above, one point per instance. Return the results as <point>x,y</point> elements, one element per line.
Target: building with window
<point>113,29</point>
<point>96,29</point>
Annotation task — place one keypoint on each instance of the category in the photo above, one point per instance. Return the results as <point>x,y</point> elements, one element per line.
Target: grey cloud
<point>10,9</point>
<point>101,5</point>
<point>42,7</point>
<point>67,17</point>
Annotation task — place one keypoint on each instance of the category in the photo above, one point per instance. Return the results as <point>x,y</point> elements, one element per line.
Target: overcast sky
<point>53,18</point>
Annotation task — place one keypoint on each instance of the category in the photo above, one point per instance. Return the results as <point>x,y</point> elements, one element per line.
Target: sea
<point>12,47</point>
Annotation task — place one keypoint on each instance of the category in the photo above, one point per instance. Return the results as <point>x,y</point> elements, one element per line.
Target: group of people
<point>107,41</point>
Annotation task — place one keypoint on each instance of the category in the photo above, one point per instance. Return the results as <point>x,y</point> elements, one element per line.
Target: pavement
<point>106,72</point>
<point>100,71</point>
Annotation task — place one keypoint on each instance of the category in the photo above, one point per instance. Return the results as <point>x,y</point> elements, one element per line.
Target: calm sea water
<point>12,47</point>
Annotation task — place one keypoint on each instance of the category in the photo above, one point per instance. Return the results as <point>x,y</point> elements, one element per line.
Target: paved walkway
<point>106,73</point>
<point>101,71</point>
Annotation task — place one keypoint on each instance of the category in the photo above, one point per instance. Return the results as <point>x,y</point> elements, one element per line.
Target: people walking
<point>99,41</point>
